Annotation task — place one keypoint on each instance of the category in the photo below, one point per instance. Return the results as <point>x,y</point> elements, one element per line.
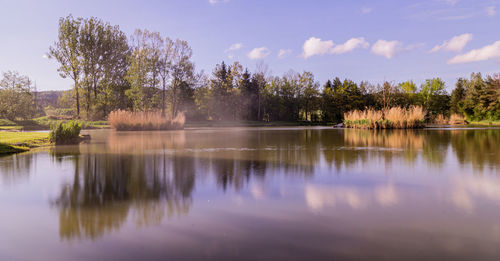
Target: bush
<point>65,132</point>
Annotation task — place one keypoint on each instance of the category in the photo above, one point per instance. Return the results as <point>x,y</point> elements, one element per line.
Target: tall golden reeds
<point>123,120</point>
<point>395,117</point>
<point>441,119</point>
<point>456,119</point>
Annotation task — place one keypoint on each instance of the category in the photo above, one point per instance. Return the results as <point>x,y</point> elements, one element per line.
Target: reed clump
<point>441,119</point>
<point>392,118</point>
<point>457,119</point>
<point>122,120</point>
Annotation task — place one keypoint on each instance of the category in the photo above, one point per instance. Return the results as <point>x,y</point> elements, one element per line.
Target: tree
<point>408,87</point>
<point>183,77</point>
<point>16,97</point>
<point>139,74</point>
<point>457,96</point>
<point>432,92</point>
<point>310,95</point>
<point>66,50</point>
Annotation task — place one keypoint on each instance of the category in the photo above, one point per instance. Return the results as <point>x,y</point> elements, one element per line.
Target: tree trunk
<point>77,101</point>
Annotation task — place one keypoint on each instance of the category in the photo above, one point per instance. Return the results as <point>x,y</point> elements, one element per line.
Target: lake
<point>256,193</point>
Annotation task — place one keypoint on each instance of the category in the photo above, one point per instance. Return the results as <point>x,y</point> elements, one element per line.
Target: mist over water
<point>250,193</point>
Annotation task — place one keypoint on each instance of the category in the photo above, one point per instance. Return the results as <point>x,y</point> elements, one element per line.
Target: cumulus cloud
<point>234,47</point>
<point>284,53</point>
<point>482,54</point>
<point>350,45</point>
<point>259,53</point>
<point>316,46</point>
<point>490,11</point>
<point>388,49</point>
<point>455,44</point>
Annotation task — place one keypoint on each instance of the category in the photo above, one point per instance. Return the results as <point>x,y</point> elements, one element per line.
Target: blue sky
<point>361,40</point>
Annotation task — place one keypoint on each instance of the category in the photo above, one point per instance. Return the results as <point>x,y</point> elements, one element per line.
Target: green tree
<point>16,97</point>
<point>66,51</point>
<point>457,96</point>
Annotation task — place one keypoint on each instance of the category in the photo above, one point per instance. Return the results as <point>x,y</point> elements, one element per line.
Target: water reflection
<point>107,187</point>
<point>145,178</point>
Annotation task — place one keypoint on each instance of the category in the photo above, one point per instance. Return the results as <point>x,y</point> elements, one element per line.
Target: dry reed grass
<point>393,118</point>
<point>441,119</point>
<point>456,119</point>
<point>122,120</point>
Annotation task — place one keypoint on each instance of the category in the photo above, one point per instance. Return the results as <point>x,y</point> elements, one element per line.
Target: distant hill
<point>46,98</point>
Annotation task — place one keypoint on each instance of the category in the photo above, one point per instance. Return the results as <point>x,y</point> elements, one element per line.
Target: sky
<point>375,41</point>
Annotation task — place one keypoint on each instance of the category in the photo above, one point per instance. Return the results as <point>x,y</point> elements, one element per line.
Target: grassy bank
<point>44,123</point>
<point>14,142</point>
<point>485,123</point>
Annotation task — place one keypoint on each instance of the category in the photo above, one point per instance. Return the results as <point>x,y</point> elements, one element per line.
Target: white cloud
<point>234,47</point>
<point>350,45</point>
<point>476,55</point>
<point>45,56</point>
<point>455,44</point>
<point>490,11</point>
<point>259,53</point>
<point>366,10</point>
<point>284,53</point>
<point>213,2</point>
<point>388,49</point>
<point>315,46</point>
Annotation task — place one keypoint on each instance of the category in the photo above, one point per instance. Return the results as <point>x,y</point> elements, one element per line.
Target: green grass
<point>11,127</point>
<point>44,123</point>
<point>14,142</point>
<point>485,123</point>
<point>24,139</point>
<point>10,149</point>
<point>5,122</point>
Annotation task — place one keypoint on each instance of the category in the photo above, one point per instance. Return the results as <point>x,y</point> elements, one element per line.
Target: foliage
<point>131,121</point>
<point>16,96</point>
<point>65,132</point>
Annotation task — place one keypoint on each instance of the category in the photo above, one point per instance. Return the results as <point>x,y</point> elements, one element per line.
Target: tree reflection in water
<point>150,176</point>
<point>107,187</point>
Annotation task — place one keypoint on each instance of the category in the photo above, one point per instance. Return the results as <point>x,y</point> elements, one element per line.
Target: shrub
<point>65,132</point>
<point>126,120</point>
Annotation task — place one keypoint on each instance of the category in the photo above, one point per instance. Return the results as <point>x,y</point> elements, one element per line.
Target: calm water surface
<point>256,193</point>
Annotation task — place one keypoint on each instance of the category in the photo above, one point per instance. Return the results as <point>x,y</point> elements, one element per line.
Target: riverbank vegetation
<point>66,133</point>
<point>391,118</point>
<point>150,72</point>
<point>135,121</point>
<point>14,142</point>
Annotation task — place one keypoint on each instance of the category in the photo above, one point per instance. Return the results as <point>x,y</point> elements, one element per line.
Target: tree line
<point>148,72</point>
